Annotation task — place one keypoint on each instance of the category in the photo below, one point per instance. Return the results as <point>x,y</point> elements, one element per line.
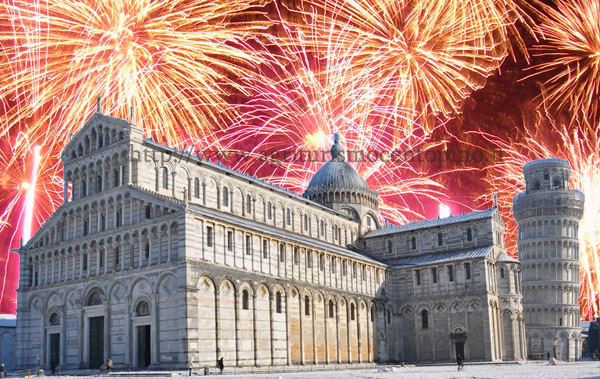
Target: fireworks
<point>301,108</point>
<point>426,56</point>
<point>580,145</point>
<point>174,61</point>
<point>273,79</point>
<point>570,57</point>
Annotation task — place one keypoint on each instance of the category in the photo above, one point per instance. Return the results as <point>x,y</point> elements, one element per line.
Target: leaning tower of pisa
<point>548,215</point>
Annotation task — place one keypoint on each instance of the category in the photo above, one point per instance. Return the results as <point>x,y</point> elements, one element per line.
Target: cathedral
<point>161,260</point>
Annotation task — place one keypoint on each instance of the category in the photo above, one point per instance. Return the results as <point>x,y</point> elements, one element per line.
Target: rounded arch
<point>35,299</point>
<point>137,280</point>
<point>162,278</point>
<point>142,305</point>
<point>227,282</point>
<point>247,285</point>
<point>53,299</point>
<point>92,286</point>
<point>67,293</point>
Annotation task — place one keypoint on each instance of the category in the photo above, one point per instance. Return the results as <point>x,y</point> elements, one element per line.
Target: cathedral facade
<point>158,259</point>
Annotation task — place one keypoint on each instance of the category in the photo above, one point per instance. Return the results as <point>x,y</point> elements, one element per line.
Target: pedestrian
<point>53,367</point>
<point>220,365</point>
<point>190,367</point>
<point>459,361</point>
<point>109,364</point>
<point>2,371</point>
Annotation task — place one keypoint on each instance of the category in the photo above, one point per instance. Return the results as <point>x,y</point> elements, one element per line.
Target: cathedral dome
<point>336,175</point>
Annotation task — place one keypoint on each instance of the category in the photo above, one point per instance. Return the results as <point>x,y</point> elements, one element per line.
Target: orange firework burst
<point>287,129</point>
<point>426,55</point>
<point>580,145</point>
<point>175,61</point>
<point>571,56</point>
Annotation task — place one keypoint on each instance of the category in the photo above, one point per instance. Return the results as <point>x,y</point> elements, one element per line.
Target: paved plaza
<point>537,370</point>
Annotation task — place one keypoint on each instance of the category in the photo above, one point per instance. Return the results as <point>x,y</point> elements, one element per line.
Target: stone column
<point>106,303</point>
<point>63,335</point>
<point>337,333</point>
<point>80,332</point>
<point>326,317</point>
<point>254,330</point>
<point>271,314</point>
<point>301,317</point>
<point>128,344</point>
<point>314,330</point>
<point>154,354</point>
<point>236,308</point>
<point>65,191</point>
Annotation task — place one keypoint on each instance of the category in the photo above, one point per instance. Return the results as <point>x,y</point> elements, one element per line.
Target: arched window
<point>305,222</point>
<point>413,243</point>
<point>197,188</point>
<point>424,319</point>
<point>352,316</point>
<point>439,237</point>
<point>288,216</point>
<point>117,256</point>
<point>330,308</point>
<point>390,247</point>
<point>245,299</point>
<point>225,196</point>
<point>306,306</point>
<point>278,302</point>
<point>556,183</point>
<point>502,272</point>
<point>469,234</point>
<point>94,299</point>
<point>142,309</point>
<point>537,185</point>
<point>322,228</point>
<point>389,316</point>
<point>54,319</point>
<point>372,314</point>
<point>269,210</point>
<point>248,204</point>
<point>165,178</point>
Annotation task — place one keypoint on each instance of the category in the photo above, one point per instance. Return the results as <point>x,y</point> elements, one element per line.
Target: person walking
<point>109,364</point>
<point>459,361</point>
<point>220,365</point>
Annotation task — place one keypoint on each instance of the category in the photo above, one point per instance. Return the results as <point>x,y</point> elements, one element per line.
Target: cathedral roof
<point>503,257</point>
<point>416,225</point>
<point>277,232</point>
<point>432,259</point>
<point>336,175</point>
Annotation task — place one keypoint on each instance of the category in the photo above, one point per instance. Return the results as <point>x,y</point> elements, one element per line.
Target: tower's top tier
<point>547,174</point>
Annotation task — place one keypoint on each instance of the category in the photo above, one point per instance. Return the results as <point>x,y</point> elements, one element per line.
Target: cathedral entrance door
<point>460,349</point>
<point>96,357</point>
<point>143,346</point>
<point>54,349</point>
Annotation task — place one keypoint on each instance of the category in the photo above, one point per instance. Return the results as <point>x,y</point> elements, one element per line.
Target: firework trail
<point>570,58</point>
<point>21,199</point>
<point>426,56</point>
<point>580,145</point>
